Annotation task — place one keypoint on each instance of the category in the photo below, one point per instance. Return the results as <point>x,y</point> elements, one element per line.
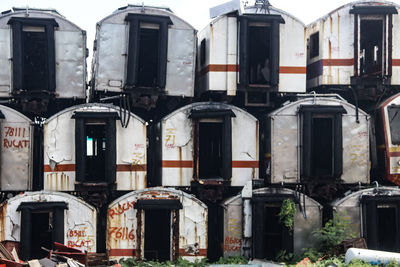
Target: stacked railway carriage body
<point>254,55</point>
<point>16,154</point>
<point>374,215</point>
<point>33,220</point>
<point>356,47</point>
<point>145,53</point>
<point>321,142</point>
<point>88,151</point>
<point>210,149</point>
<point>252,226</point>
<point>387,125</point>
<point>50,72</point>
<point>157,224</point>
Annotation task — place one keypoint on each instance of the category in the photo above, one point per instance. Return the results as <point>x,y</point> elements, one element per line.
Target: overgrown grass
<point>182,262</point>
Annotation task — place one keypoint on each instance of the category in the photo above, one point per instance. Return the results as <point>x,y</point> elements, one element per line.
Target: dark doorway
<point>371,48</point>
<point>386,226</point>
<point>210,150</point>
<point>35,74</point>
<point>148,56</point>
<point>322,148</point>
<point>273,230</point>
<point>42,233</point>
<point>96,146</point>
<point>259,54</point>
<point>157,235</point>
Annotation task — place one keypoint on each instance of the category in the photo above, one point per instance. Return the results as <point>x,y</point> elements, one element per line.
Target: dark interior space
<point>157,234</point>
<point>273,230</point>
<point>215,231</point>
<point>259,55</point>
<point>42,234</point>
<point>35,74</point>
<point>210,150</point>
<point>148,57</point>
<point>322,148</point>
<point>314,45</point>
<point>386,226</point>
<point>96,146</point>
<point>371,48</point>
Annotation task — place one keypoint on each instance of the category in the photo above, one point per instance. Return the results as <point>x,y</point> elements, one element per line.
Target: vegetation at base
<point>286,215</point>
<point>181,262</point>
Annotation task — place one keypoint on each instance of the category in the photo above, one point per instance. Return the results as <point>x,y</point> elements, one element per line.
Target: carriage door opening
<point>381,222</point>
<point>157,235</point>
<point>42,233</point>
<point>322,148</point>
<point>371,47</point>
<point>259,53</point>
<point>96,146</point>
<point>270,235</point>
<point>148,54</point>
<point>210,149</point>
<point>35,74</point>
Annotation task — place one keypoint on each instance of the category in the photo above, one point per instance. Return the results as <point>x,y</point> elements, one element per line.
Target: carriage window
<point>203,52</point>
<point>147,51</point>
<point>394,123</point>
<point>314,45</point>
<point>371,48</point>
<point>259,53</point>
<point>33,48</point>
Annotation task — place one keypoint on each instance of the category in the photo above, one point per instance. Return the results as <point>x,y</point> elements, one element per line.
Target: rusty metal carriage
<point>86,145</point>
<point>252,53</point>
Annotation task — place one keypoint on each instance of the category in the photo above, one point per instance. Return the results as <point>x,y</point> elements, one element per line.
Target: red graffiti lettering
<point>15,143</point>
<point>14,131</point>
<point>120,209</point>
<point>232,244</point>
<point>79,243</point>
<point>123,233</point>
<point>77,233</point>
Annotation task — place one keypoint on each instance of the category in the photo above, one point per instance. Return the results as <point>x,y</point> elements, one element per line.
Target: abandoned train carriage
<point>17,137</point>
<point>258,52</point>
<point>387,126</point>
<point>252,227</point>
<point>153,55</point>
<point>157,223</point>
<point>318,140</point>
<point>374,215</point>
<point>207,143</point>
<point>52,66</point>
<point>86,145</point>
<point>356,44</point>
<point>37,219</point>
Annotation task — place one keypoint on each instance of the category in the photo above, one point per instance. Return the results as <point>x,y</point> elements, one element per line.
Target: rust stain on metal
<point>196,150</point>
<point>175,235</point>
<point>3,210</point>
<point>180,169</point>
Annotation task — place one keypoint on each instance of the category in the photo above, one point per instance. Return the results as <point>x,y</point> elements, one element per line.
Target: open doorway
<point>371,47</point>
<point>322,147</point>
<point>96,146</point>
<point>42,233</point>
<point>157,234</point>
<point>259,53</point>
<point>148,54</point>
<point>386,226</point>
<point>210,149</point>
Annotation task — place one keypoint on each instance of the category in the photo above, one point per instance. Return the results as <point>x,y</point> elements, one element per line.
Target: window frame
<point>245,21</point>
<point>80,145</point>
<point>308,112</point>
<point>134,21</point>
<point>17,24</point>
<point>226,116</point>
<point>394,141</point>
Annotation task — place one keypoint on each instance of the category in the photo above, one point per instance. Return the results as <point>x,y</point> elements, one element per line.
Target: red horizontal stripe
<point>338,62</point>
<point>219,68</point>
<point>292,70</point>
<point>60,168</point>
<point>131,167</point>
<point>202,252</point>
<point>177,164</point>
<point>394,154</point>
<point>122,252</point>
<point>245,164</point>
<point>396,62</point>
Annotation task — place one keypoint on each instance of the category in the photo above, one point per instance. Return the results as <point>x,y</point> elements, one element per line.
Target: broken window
<point>95,146</point>
<point>381,222</point>
<point>373,40</point>
<point>259,50</point>
<point>203,52</point>
<point>147,53</point>
<point>321,141</point>
<point>270,234</point>
<point>33,54</point>
<point>314,45</point>
<point>394,123</point>
<point>42,224</point>
<point>213,143</point>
